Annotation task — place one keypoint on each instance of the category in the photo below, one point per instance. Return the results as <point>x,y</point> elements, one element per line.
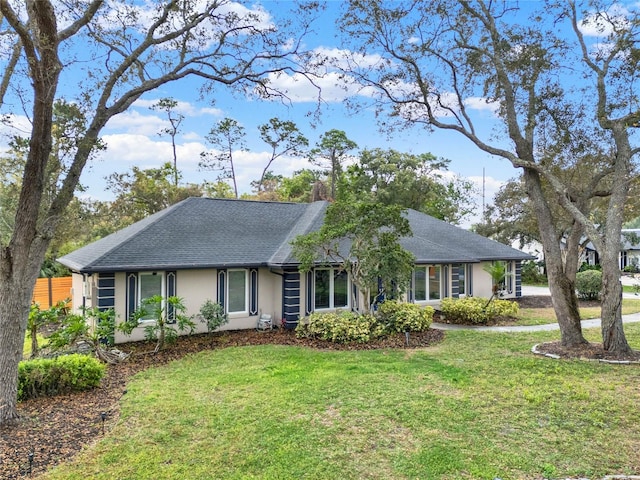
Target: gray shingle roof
<point>217,233</point>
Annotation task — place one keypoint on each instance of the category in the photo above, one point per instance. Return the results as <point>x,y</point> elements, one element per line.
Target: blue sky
<point>132,137</point>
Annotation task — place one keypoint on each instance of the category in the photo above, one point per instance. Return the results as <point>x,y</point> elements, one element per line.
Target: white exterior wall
<point>482,286</point>
<point>195,287</point>
<point>77,292</point>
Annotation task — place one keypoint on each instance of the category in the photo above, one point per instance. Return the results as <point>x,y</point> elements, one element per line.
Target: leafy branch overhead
<point>362,238</point>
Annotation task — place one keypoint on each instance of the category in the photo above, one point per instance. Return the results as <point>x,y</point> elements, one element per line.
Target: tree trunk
<point>20,260</point>
<point>15,297</point>
<point>563,294</point>
<point>613,337</point>
<point>34,342</point>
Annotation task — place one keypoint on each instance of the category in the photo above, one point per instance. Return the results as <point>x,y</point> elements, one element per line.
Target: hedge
<point>476,310</point>
<point>54,376</point>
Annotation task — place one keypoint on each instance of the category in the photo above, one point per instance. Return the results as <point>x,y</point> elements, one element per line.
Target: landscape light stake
<point>103,417</point>
<point>30,457</point>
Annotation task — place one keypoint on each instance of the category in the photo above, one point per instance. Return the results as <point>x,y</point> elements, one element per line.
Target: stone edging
<point>535,351</point>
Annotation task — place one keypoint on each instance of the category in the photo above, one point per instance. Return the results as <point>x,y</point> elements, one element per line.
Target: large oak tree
<point>548,87</point>
<point>107,55</point>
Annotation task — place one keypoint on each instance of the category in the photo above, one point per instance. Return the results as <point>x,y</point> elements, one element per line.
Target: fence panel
<point>50,291</point>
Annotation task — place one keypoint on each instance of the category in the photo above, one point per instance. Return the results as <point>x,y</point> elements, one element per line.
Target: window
<point>331,288</point>
<point>237,292</point>
<point>426,283</point>
<point>150,285</point>
<point>462,287</point>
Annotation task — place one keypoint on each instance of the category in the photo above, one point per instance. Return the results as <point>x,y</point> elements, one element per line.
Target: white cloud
<point>134,123</point>
<point>142,15</point>
<point>602,24</point>
<point>343,59</point>
<point>185,108</point>
<point>13,125</point>
<point>300,89</point>
<point>482,103</point>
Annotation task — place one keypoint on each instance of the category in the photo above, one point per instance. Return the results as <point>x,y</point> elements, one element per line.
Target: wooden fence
<point>50,291</point>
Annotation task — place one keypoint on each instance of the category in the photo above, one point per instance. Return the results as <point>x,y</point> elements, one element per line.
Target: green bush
<point>214,315</point>
<point>404,317</point>
<point>53,376</point>
<point>340,327</point>
<point>589,284</point>
<point>585,267</point>
<point>476,310</point>
<point>531,274</point>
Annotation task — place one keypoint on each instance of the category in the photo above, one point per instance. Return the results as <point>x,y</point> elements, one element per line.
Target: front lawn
<point>477,406</point>
<point>540,316</point>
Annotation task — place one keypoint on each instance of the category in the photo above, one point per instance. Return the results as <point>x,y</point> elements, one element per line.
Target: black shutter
<point>222,279</point>
<point>171,292</point>
<point>132,293</point>
<point>291,298</point>
<point>253,291</point>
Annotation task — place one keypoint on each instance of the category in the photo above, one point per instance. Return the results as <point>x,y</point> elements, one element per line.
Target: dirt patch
<point>588,351</point>
<point>544,301</point>
<point>53,430</point>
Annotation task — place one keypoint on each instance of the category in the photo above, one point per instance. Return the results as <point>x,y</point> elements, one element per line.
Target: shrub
<point>53,376</point>
<point>531,273</point>
<point>404,317</point>
<point>585,267</point>
<point>589,284</point>
<point>476,309</point>
<point>164,313</point>
<point>213,315</point>
<point>340,327</point>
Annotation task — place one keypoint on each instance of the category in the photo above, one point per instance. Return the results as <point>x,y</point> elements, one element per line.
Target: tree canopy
<point>109,54</point>
<point>549,90</point>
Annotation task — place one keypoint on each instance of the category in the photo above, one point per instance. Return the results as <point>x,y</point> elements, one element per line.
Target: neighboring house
<point>630,250</point>
<point>238,253</point>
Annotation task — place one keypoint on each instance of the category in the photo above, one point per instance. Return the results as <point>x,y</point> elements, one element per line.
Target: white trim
<point>332,273</point>
<point>245,311</point>
<point>427,284</point>
<point>161,292</point>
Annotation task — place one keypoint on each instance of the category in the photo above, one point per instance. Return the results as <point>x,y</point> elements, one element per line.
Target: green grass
<point>631,289</point>
<point>477,406</point>
<point>26,349</point>
<point>540,316</point>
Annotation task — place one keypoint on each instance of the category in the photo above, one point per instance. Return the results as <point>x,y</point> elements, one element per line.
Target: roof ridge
<point>301,227</point>
<point>248,200</point>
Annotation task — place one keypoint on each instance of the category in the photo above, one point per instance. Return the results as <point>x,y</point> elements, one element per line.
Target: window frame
<point>462,273</point>
<point>150,317</point>
<point>245,311</point>
<point>427,283</point>
<point>333,272</point>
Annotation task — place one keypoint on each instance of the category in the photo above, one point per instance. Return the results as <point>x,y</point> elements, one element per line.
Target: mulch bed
<point>54,429</point>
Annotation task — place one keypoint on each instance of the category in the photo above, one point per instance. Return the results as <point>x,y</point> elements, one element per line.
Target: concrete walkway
<point>530,291</point>
<point>591,323</point>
